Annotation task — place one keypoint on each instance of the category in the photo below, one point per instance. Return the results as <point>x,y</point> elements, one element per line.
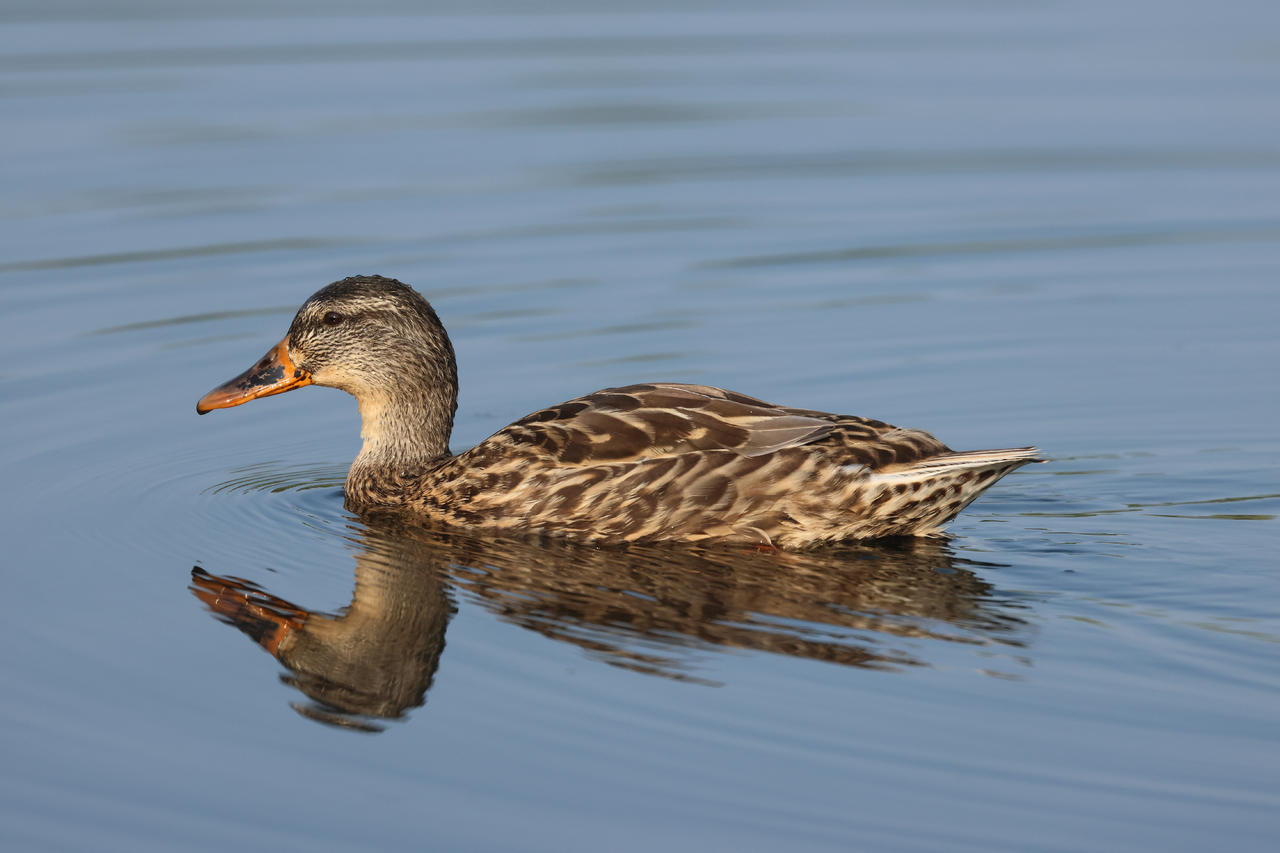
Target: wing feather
<point>638,422</point>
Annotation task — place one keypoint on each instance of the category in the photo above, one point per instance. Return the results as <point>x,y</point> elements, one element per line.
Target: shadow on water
<point>656,610</point>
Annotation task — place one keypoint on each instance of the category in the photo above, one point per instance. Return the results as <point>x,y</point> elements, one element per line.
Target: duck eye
<point>332,318</point>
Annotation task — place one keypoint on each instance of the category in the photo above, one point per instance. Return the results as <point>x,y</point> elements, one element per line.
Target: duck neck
<point>402,437</point>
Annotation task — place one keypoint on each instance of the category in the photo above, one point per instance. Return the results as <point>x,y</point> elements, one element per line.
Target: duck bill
<point>274,373</point>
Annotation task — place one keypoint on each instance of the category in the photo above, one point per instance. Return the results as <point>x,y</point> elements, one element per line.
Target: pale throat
<point>404,430</point>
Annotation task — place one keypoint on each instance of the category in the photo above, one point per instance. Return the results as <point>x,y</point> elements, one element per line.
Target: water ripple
<point>950,161</point>
<point>1109,239</point>
<point>276,478</point>
<point>668,44</point>
<point>234,248</point>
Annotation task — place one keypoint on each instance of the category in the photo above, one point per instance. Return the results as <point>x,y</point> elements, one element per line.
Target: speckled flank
<point>790,497</point>
<point>642,462</point>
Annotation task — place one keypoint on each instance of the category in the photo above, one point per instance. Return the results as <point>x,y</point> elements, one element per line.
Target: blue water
<point>1005,224</point>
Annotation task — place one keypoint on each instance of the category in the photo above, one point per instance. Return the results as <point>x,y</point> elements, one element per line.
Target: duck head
<point>378,340</point>
<point>367,335</point>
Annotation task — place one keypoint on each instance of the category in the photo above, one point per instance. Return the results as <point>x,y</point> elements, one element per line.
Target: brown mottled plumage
<point>642,462</point>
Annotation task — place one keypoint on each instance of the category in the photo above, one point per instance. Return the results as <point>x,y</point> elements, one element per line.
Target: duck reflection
<point>653,609</point>
<point>372,660</point>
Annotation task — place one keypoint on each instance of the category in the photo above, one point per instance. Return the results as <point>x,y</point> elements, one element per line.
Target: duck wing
<point>639,422</point>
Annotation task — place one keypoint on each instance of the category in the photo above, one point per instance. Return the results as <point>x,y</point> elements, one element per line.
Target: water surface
<point>1004,224</point>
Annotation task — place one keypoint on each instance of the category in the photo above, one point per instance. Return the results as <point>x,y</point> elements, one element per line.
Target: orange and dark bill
<point>273,374</point>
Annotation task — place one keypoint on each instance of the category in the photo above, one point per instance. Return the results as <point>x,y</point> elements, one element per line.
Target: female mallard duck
<point>644,462</point>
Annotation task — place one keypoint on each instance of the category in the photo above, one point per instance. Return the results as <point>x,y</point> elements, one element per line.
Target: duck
<point>647,462</point>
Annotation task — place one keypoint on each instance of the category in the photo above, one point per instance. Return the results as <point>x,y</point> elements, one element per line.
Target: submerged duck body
<point>642,462</point>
